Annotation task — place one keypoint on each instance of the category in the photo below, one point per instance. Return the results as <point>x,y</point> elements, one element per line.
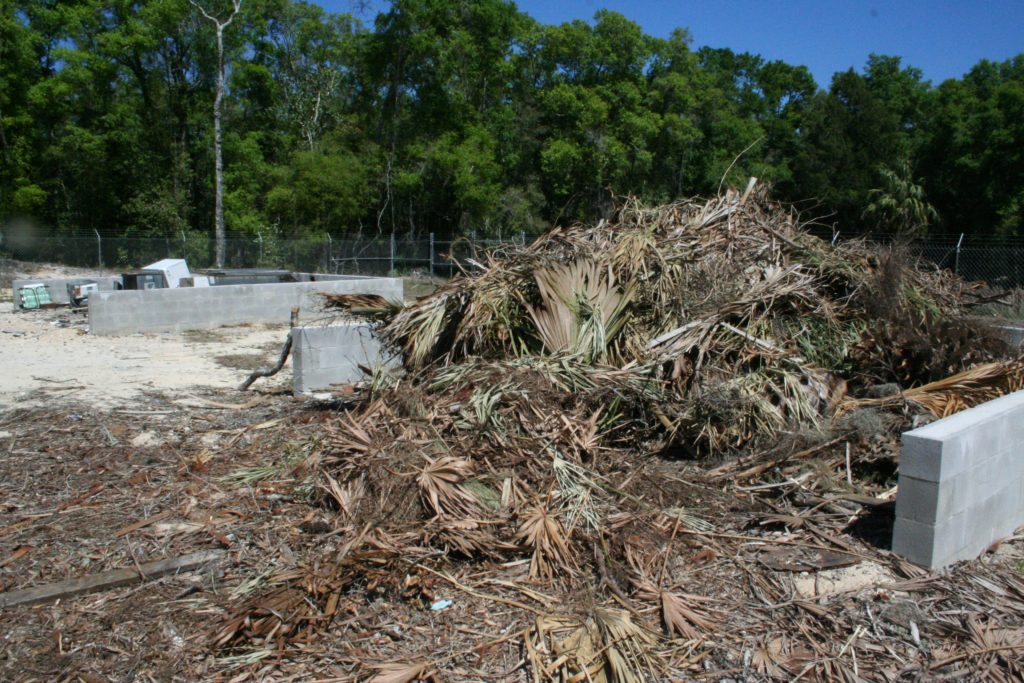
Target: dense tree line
<point>451,116</point>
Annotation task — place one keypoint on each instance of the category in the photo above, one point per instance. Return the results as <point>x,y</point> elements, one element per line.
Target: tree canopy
<point>449,116</point>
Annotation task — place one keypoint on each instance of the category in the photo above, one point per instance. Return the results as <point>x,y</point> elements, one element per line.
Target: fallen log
<point>114,578</point>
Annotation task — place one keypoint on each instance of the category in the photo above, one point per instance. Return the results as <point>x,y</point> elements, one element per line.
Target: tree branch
<point>221,25</point>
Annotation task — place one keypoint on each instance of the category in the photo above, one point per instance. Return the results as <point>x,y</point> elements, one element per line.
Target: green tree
<point>899,205</point>
<point>973,160</point>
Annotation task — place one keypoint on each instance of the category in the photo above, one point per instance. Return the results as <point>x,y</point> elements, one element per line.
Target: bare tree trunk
<point>218,158</point>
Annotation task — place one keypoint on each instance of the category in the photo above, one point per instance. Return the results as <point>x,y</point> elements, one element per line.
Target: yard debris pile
<point>511,465</point>
<point>732,322</point>
<point>660,449</point>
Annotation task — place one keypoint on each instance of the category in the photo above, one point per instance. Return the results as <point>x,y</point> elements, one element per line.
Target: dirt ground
<point>99,432</point>
<point>48,355</point>
<point>116,452</point>
<point>85,490</point>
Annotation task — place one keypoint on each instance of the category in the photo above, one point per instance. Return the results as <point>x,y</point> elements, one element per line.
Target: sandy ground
<point>26,269</point>
<point>48,356</point>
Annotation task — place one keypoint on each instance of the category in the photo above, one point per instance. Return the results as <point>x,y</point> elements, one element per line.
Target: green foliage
<point>449,117</point>
<point>320,191</point>
<point>900,206</point>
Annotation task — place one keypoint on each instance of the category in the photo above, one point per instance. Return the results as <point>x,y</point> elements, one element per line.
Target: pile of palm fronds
<point>743,324</point>
<point>534,384</point>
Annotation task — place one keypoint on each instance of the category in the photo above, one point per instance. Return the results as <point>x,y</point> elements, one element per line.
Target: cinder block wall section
<point>156,310</point>
<point>1014,335</point>
<point>59,287</point>
<point>961,483</point>
<point>325,355</point>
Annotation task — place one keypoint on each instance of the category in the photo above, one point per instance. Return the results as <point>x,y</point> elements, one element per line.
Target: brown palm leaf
<point>440,489</point>
<point>467,537</point>
<point>542,532</point>
<point>373,306</point>
<point>680,613</point>
<point>353,438</point>
<point>955,393</point>
<point>400,672</point>
<point>583,308</point>
<point>346,495</point>
<point>627,646</point>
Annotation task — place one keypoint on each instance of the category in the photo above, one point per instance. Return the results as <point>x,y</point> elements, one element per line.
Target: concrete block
<point>326,355</point>
<point>1014,336</point>
<point>156,310</point>
<point>914,540</point>
<point>944,448</point>
<point>961,483</point>
<point>918,500</point>
<point>930,459</point>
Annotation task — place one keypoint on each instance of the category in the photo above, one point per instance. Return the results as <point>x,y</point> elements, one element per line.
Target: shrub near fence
<point>999,262</point>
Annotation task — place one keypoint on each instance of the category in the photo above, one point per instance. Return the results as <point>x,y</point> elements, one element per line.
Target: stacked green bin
<point>34,296</point>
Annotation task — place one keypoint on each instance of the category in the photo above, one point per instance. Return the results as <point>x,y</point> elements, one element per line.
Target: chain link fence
<point>1000,262</point>
<point>997,261</point>
<point>432,254</point>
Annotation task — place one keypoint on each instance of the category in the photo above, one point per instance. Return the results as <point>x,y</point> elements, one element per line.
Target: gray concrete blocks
<point>1013,335</point>
<point>157,310</point>
<point>326,355</point>
<point>961,483</point>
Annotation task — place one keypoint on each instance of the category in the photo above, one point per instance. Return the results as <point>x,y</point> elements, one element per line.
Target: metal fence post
<point>431,254</point>
<point>392,271</point>
<point>259,236</point>
<point>99,247</point>
<point>956,260</point>
<point>522,238</point>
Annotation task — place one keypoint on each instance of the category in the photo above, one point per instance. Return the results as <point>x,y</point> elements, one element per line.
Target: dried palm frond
<point>440,488</point>
<point>468,537</point>
<point>768,658</point>
<point>575,491</point>
<point>418,329</point>
<point>480,411</point>
<point>953,394</point>
<point>680,613</point>
<point>347,496</point>
<point>543,533</point>
<point>353,438</point>
<point>627,646</point>
<point>562,648</point>
<point>400,672</point>
<point>608,647</point>
<point>759,403</point>
<point>372,306</point>
<point>583,308</point>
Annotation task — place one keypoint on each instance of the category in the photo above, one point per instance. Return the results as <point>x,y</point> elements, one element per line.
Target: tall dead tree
<point>218,160</point>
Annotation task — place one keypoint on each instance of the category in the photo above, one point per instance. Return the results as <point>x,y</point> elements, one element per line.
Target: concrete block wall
<point>961,483</point>
<point>1014,335</point>
<point>324,355</point>
<point>156,310</point>
<point>59,287</point>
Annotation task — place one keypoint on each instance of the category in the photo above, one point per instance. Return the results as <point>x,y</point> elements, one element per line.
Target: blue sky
<point>942,38</point>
